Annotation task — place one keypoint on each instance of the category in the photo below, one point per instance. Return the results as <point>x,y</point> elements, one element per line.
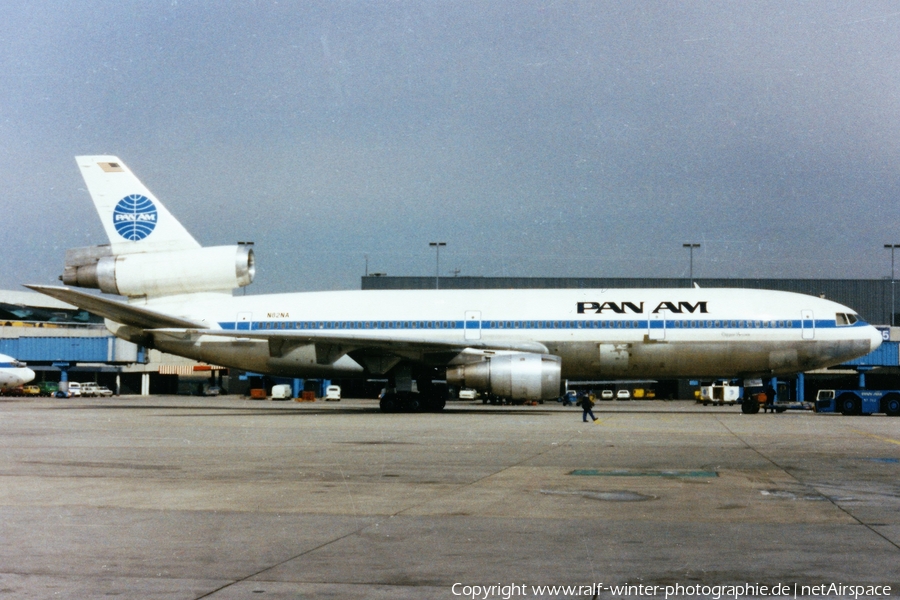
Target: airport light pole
<point>437,268</point>
<point>892,247</point>
<point>691,248</point>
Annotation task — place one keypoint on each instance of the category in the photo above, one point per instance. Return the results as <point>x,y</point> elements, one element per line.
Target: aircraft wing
<point>359,340</point>
<point>113,310</point>
<point>375,350</point>
<point>377,354</point>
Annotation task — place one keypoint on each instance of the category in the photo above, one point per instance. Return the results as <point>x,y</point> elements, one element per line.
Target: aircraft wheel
<point>849,405</point>
<point>891,404</point>
<point>389,403</point>
<point>413,403</point>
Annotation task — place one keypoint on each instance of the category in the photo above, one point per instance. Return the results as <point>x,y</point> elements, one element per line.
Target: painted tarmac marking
<point>877,437</point>
<point>630,473</point>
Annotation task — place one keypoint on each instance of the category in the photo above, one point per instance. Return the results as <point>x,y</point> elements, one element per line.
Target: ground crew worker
<point>586,405</point>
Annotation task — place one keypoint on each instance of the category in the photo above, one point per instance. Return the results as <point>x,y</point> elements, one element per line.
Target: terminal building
<point>60,342</point>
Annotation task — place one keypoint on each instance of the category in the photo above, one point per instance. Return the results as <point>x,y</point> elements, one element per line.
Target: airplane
<point>13,373</point>
<point>518,344</point>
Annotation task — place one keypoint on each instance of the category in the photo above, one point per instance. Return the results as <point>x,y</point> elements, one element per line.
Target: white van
<point>333,393</point>
<point>282,392</point>
<point>91,389</point>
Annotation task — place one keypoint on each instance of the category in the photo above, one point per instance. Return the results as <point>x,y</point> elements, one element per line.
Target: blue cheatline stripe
<point>632,324</point>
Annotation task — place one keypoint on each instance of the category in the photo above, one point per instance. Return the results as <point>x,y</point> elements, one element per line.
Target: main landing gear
<point>414,391</point>
<point>393,401</point>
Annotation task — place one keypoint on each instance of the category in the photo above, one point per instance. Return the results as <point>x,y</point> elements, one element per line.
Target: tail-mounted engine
<point>519,376</point>
<point>218,268</point>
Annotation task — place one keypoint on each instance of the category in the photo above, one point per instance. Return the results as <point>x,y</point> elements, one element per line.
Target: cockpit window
<point>845,319</point>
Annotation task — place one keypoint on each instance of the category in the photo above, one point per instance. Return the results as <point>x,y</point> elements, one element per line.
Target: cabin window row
<point>447,324</point>
<point>705,324</point>
<point>618,324</point>
<point>358,325</point>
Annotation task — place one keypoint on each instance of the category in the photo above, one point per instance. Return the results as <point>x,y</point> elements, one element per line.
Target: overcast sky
<point>534,138</point>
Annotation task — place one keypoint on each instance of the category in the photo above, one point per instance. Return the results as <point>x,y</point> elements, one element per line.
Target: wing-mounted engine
<point>518,376</point>
<point>213,269</point>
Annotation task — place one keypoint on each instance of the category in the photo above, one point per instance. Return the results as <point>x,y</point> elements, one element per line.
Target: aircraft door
<point>807,324</point>
<point>657,326</point>
<point>472,325</point>
<point>244,321</point>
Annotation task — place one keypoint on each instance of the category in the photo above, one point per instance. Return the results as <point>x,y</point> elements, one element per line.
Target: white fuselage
<point>708,333</point>
<point>660,333</point>
<point>13,373</point>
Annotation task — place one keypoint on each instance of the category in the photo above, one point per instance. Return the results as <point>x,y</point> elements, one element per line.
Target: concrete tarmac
<point>222,498</point>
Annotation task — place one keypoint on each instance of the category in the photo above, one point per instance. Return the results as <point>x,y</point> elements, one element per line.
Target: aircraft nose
<point>875,339</point>
<point>28,376</point>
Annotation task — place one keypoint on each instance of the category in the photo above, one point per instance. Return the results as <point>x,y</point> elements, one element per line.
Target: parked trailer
<point>859,402</point>
<point>719,394</point>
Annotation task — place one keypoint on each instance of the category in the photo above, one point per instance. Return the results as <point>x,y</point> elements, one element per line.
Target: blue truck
<point>859,402</point>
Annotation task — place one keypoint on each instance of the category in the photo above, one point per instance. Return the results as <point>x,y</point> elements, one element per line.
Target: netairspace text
<point>715,592</point>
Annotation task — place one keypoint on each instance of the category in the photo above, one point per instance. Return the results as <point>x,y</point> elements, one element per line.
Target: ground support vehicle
<point>780,407</point>
<point>92,390</point>
<point>859,402</point>
<point>282,392</point>
<point>49,388</point>
<point>569,398</point>
<point>754,402</point>
<point>719,395</point>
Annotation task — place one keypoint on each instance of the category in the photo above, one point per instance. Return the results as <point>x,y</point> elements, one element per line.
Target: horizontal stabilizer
<point>113,310</point>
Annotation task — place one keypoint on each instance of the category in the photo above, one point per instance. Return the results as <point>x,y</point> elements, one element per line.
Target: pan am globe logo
<point>135,217</point>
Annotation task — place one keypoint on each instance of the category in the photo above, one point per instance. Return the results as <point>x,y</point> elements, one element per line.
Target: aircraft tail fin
<point>150,254</point>
<point>134,220</point>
